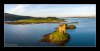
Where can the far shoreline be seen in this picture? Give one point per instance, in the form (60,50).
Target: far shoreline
(78,17)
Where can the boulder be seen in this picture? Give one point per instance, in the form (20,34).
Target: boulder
(70,27)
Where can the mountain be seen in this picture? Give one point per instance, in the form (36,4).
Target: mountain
(12,17)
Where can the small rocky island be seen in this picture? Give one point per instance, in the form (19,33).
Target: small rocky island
(59,36)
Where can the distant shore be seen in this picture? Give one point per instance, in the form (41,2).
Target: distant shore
(37,20)
(78,17)
(34,21)
(28,22)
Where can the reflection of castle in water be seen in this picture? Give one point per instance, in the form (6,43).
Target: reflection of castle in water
(58,37)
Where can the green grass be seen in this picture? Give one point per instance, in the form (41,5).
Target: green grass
(40,20)
(56,38)
(37,20)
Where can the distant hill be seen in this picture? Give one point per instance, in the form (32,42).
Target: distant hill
(81,17)
(12,17)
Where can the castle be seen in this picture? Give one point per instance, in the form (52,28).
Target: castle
(61,28)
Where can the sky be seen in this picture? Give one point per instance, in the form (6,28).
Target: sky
(44,10)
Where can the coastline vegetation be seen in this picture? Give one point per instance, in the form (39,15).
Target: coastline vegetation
(37,20)
(56,38)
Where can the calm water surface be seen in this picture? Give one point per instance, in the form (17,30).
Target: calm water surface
(31,34)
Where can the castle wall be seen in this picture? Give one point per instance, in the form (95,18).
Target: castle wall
(62,29)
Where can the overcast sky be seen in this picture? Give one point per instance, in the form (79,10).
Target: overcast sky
(44,10)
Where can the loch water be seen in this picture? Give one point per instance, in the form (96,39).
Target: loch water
(31,34)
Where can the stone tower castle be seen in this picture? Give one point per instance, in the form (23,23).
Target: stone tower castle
(62,28)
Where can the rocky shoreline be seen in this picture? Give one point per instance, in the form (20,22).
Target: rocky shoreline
(58,38)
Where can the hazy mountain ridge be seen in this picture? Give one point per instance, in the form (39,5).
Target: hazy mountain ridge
(13,17)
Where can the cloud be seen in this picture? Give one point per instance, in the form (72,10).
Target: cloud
(40,6)
(66,11)
(19,9)
(48,10)
(22,9)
